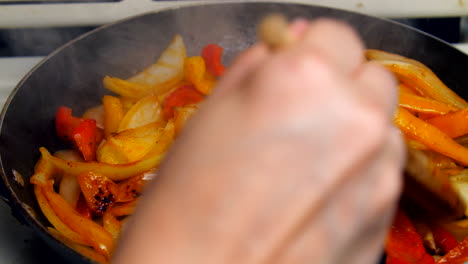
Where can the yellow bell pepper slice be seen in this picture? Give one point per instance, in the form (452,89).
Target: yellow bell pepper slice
(91,232)
(113,114)
(195,72)
(115,172)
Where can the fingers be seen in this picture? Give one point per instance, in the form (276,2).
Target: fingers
(246,63)
(298,27)
(336,42)
(377,87)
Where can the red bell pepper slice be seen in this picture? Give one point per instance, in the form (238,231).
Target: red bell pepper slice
(427,259)
(82,207)
(184,95)
(404,243)
(457,255)
(212,54)
(443,239)
(393,260)
(65,123)
(84,136)
(82,132)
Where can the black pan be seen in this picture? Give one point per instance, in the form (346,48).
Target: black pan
(72,76)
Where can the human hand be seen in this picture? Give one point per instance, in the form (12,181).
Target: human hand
(293,159)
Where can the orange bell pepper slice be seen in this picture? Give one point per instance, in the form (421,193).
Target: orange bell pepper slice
(49,213)
(112,225)
(91,232)
(113,114)
(100,192)
(424,105)
(130,188)
(454,124)
(430,136)
(124,208)
(457,255)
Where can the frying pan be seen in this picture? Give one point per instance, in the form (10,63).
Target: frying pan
(72,75)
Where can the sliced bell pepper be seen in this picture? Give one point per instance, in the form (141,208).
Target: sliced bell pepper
(130,188)
(65,123)
(427,259)
(212,55)
(49,213)
(454,124)
(91,232)
(113,114)
(82,132)
(403,241)
(457,255)
(100,192)
(430,136)
(84,136)
(43,171)
(82,208)
(196,73)
(184,95)
(393,260)
(124,209)
(116,172)
(112,225)
(444,240)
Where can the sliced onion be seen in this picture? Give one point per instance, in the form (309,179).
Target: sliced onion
(69,188)
(96,113)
